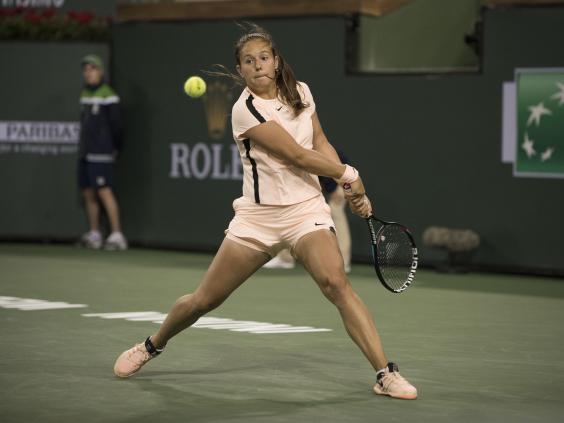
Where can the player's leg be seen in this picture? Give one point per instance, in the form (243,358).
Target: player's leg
(319,252)
(232,265)
(320,255)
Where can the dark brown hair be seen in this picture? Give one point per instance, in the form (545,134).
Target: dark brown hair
(285,79)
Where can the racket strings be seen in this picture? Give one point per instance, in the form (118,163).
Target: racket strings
(395,255)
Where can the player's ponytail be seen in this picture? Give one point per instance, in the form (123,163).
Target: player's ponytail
(287,85)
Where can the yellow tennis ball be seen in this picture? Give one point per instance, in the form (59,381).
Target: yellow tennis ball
(195,86)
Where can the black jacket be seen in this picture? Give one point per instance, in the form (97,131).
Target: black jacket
(100,124)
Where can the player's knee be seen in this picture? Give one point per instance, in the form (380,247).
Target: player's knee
(205,303)
(335,287)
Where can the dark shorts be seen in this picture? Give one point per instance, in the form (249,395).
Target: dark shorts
(94,175)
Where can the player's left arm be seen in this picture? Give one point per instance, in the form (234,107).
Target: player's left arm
(320,142)
(360,204)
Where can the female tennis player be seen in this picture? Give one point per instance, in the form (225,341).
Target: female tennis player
(283,149)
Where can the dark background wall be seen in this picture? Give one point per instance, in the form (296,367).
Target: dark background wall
(428,147)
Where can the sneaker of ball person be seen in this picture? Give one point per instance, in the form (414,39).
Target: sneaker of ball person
(279,263)
(91,239)
(115,242)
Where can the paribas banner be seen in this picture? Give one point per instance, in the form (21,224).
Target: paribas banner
(39,138)
(533,123)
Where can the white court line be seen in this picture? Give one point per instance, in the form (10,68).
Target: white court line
(217,323)
(27,304)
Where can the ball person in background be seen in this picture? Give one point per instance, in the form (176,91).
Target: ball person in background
(337,201)
(100,141)
(283,149)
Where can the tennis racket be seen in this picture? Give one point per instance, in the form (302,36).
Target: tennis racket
(394,253)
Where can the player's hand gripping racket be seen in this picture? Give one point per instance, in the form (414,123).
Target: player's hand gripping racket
(393,248)
(394,253)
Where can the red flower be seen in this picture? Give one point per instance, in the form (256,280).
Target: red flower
(32,17)
(48,13)
(11,11)
(82,17)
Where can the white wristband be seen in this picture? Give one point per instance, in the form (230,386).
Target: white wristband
(349,176)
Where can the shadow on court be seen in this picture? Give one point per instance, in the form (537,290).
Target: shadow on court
(190,405)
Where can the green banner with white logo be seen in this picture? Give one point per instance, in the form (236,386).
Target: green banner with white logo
(540,123)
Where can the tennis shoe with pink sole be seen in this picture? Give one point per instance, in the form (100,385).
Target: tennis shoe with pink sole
(391,383)
(131,361)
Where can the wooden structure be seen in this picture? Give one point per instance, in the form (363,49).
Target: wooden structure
(523,2)
(230,9)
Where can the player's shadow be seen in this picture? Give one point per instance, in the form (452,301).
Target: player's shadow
(189,401)
(152,374)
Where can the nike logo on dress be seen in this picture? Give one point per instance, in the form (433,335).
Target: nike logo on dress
(319,224)
(280,108)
